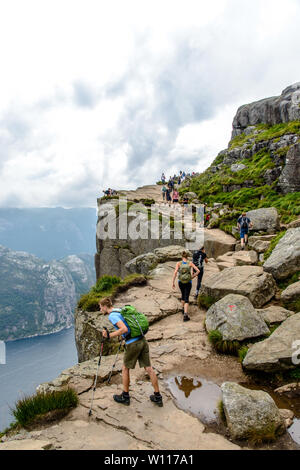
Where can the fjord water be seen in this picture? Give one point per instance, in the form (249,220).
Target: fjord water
(31,361)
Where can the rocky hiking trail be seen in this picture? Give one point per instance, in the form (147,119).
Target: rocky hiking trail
(176,348)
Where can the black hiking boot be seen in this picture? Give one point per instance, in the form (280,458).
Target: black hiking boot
(186,318)
(157,399)
(121,399)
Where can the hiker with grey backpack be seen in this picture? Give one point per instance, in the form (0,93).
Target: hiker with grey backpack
(132,326)
(183,269)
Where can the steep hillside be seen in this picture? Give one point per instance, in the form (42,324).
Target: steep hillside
(37,297)
(261,166)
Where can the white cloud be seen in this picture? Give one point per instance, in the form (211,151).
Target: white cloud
(96,94)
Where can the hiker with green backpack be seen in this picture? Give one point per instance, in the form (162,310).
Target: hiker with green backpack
(183,268)
(132,326)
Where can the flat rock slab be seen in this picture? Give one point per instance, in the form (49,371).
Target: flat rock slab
(274,314)
(250,281)
(277,352)
(236,318)
(26,444)
(239,258)
(285,258)
(250,413)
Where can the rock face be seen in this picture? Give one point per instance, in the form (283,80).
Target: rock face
(235,317)
(265,219)
(285,258)
(170,253)
(250,413)
(283,108)
(291,296)
(274,314)
(38,297)
(250,281)
(289,180)
(278,352)
(126,240)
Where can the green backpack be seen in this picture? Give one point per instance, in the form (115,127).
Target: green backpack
(184,273)
(137,322)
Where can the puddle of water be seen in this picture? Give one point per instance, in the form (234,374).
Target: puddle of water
(200,397)
(196,395)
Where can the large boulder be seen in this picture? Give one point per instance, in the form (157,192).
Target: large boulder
(250,414)
(236,318)
(276,353)
(274,314)
(142,264)
(291,296)
(170,253)
(265,219)
(285,258)
(250,281)
(217,242)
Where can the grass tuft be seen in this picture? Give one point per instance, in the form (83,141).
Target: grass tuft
(44,407)
(108,286)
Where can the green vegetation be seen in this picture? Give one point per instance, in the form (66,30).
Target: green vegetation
(108,286)
(223,346)
(295,374)
(220,407)
(10,429)
(242,352)
(44,407)
(273,243)
(205,301)
(266,132)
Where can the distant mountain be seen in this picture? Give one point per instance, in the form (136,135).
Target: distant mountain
(49,233)
(38,297)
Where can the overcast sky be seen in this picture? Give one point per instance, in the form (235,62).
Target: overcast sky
(98,94)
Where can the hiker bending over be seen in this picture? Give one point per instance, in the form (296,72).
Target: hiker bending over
(136,349)
(183,268)
(199,257)
(244,223)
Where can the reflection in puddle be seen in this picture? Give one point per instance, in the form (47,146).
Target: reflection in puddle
(187,385)
(200,397)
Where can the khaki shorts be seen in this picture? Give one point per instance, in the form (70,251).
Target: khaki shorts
(139,350)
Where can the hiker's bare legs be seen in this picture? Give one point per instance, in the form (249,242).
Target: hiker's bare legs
(126,379)
(153,378)
(186,307)
(242,242)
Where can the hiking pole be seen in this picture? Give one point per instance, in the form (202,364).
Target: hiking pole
(96,376)
(114,363)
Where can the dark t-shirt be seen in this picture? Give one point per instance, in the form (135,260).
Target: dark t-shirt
(241,220)
(198,258)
